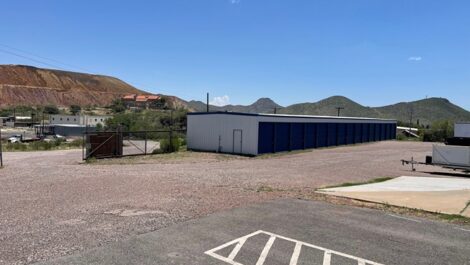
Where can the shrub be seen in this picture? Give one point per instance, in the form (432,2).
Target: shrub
(167,147)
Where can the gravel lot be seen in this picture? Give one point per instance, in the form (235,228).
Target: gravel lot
(51,204)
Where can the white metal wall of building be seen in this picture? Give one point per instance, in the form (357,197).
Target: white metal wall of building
(229,132)
(462,130)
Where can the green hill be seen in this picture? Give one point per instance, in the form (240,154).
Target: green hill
(327,107)
(426,110)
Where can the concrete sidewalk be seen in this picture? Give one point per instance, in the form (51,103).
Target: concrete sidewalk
(443,195)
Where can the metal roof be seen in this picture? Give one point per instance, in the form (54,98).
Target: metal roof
(286,115)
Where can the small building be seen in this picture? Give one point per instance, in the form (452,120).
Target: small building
(254,134)
(67,130)
(142,101)
(85,120)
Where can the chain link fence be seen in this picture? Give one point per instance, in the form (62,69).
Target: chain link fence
(131,143)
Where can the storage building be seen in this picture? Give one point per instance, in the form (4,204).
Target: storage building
(254,134)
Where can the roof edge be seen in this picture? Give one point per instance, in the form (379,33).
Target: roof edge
(287,116)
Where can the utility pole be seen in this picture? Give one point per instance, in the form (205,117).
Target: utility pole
(339,110)
(411,117)
(207,102)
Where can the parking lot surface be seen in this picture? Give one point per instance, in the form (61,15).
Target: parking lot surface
(291,232)
(54,205)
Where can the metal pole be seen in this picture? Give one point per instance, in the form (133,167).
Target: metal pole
(339,110)
(1,148)
(145,142)
(207,102)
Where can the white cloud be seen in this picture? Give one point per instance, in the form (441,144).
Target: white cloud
(234,2)
(415,58)
(220,101)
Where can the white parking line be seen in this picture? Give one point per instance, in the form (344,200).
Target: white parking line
(265,252)
(294,256)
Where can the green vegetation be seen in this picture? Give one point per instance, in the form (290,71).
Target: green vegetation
(117,106)
(349,184)
(439,131)
(424,112)
(148,120)
(57,144)
(75,109)
(169,147)
(51,109)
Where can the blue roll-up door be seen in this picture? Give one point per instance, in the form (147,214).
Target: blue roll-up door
(281,137)
(388,136)
(297,136)
(310,135)
(332,134)
(372,132)
(322,135)
(342,134)
(357,133)
(350,130)
(365,133)
(265,138)
(383,132)
(378,127)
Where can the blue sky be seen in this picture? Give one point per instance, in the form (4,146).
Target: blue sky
(375,52)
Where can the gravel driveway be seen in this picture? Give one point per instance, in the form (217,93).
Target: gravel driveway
(51,204)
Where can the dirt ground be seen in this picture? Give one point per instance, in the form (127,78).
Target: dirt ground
(53,204)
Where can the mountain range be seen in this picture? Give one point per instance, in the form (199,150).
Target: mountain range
(425,110)
(27,85)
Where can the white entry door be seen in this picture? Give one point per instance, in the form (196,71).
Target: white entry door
(237,141)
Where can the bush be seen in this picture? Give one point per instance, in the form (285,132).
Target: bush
(167,147)
(439,131)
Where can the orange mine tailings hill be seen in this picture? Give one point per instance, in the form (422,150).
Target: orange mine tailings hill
(27,85)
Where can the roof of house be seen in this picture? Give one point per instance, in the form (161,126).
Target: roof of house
(129,97)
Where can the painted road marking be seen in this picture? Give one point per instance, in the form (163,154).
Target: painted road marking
(299,245)
(404,218)
(463,229)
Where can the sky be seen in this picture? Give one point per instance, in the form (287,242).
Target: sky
(375,52)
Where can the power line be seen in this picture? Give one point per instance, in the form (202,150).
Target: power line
(31,59)
(45,58)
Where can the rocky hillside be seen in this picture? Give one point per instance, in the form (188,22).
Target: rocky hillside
(27,85)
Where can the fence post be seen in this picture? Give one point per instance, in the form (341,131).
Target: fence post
(171,140)
(145,142)
(1,147)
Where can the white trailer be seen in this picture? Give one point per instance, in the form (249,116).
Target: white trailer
(447,156)
(462,130)
(451,155)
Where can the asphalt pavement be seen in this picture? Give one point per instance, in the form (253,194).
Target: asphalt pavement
(291,231)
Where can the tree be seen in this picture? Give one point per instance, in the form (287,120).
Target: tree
(51,109)
(75,109)
(439,131)
(117,106)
